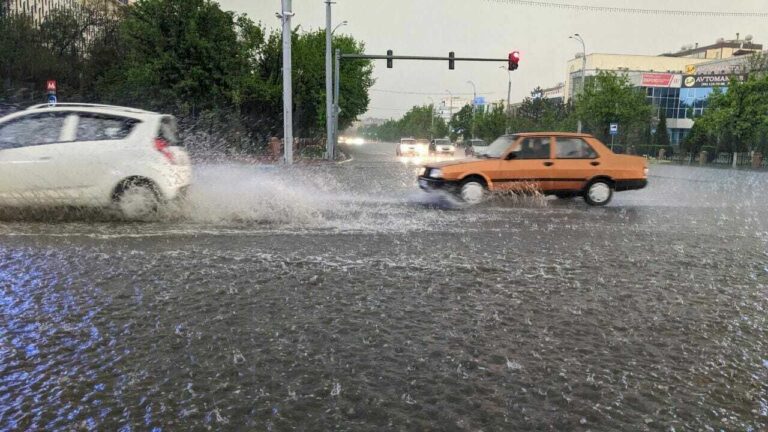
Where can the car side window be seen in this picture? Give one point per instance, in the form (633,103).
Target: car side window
(574,148)
(32,130)
(97,127)
(534,148)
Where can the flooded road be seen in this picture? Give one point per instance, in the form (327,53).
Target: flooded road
(342,298)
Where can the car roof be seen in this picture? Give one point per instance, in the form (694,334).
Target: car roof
(555,134)
(93,108)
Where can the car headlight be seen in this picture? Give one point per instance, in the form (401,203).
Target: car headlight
(436,173)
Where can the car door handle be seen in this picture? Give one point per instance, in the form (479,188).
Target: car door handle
(548,163)
(595,163)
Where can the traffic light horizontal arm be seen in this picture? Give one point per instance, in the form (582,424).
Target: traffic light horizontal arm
(402,57)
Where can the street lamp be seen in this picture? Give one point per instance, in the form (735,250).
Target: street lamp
(577,37)
(343,23)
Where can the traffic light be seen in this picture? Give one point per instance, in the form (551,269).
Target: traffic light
(451,61)
(514,60)
(389,59)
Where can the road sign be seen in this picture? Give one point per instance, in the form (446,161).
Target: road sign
(614,128)
(52,100)
(51,86)
(479,101)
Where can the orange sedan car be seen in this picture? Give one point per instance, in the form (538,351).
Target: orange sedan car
(553,163)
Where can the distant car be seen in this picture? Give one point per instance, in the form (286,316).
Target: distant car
(412,147)
(476,146)
(442,146)
(88,155)
(560,164)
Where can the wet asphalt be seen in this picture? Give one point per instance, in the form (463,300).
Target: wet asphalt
(340,297)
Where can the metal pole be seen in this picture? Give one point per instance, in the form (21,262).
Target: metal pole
(328,82)
(432,119)
(583,69)
(336,110)
(509,92)
(474,107)
(287,84)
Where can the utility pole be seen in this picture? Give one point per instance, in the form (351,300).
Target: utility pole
(286,15)
(474,107)
(336,109)
(328,82)
(578,38)
(432,118)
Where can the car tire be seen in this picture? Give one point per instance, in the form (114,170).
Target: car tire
(137,199)
(472,191)
(598,192)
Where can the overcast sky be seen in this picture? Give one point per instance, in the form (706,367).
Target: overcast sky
(483,28)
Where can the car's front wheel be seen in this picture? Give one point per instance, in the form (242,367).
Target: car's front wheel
(598,193)
(472,191)
(137,199)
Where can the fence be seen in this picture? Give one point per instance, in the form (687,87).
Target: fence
(751,160)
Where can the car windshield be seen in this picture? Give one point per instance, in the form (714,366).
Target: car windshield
(443,142)
(500,146)
(407,141)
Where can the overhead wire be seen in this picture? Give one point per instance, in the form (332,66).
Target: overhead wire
(635,11)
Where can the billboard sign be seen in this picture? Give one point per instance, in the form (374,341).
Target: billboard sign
(661,80)
(717,80)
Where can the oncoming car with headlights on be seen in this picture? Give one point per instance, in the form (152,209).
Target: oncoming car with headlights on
(442,146)
(560,164)
(412,147)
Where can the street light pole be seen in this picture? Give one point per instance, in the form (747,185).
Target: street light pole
(432,118)
(509,87)
(578,37)
(474,107)
(328,82)
(285,15)
(336,79)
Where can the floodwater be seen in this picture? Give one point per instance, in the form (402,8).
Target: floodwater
(342,298)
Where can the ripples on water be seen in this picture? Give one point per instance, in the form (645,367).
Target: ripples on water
(318,305)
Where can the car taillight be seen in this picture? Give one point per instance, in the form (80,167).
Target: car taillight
(162,145)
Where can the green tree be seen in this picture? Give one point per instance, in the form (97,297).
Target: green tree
(612,98)
(461,123)
(662,133)
(491,123)
(737,120)
(309,79)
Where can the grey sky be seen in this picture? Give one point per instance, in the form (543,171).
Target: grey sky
(481,28)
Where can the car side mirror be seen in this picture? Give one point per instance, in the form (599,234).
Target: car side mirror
(511,155)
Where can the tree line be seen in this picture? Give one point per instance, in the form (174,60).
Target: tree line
(220,72)
(735,120)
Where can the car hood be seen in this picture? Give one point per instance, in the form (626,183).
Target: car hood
(454,162)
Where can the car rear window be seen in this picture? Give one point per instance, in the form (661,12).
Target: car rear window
(407,141)
(574,148)
(98,127)
(169,131)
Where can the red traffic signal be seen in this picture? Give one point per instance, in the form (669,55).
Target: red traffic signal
(514,60)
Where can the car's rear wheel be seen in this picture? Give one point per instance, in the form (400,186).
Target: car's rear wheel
(472,191)
(598,192)
(137,199)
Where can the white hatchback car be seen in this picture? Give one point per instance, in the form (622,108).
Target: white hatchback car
(88,155)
